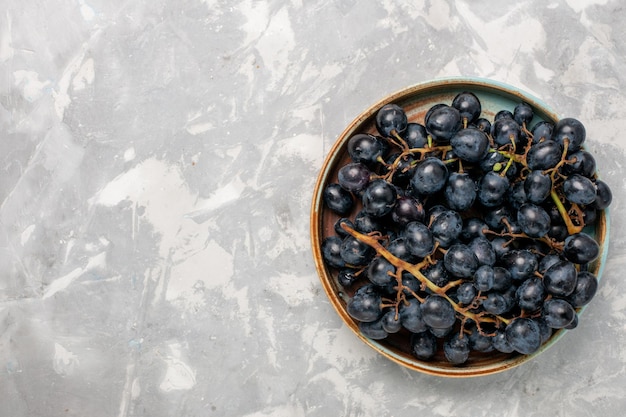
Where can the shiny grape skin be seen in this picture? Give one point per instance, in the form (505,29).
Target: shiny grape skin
(347,276)
(391,118)
(560,278)
(468,105)
(419,239)
(542,130)
(531,294)
(354,177)
(544,155)
(581,248)
(379,270)
(483,124)
(379,198)
(331,252)
(456,348)
(579,190)
(408,209)
(580,162)
(492,188)
(465,293)
(355,253)
(520,263)
(481,246)
(437,312)
(338,199)
(586,288)
(442,123)
(604,195)
(460,191)
(503,114)
(460,261)
(500,342)
(415,135)
(411,316)
(484,278)
(423,345)
(365,304)
(557,313)
(430,176)
(537,186)
(373,330)
(524,335)
(470,144)
(523,113)
(447,227)
(506,131)
(533,220)
(366,148)
(391,322)
(572,130)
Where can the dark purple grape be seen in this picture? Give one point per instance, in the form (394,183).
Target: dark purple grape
(533,220)
(579,190)
(470,144)
(373,330)
(558,232)
(604,195)
(437,274)
(380,270)
(379,198)
(557,313)
(456,348)
(460,261)
(480,342)
(338,199)
(365,304)
(339,230)
(411,285)
(331,252)
(481,246)
(423,345)
(465,293)
(547,261)
(523,113)
(473,227)
(460,191)
(391,118)
(498,217)
(442,123)
(560,278)
(521,263)
(524,335)
(447,227)
(500,342)
(530,294)
(437,312)
(355,253)
(400,249)
(492,189)
(411,316)
(506,131)
(419,239)
(503,114)
(497,303)
(367,149)
(354,177)
(483,124)
(517,196)
(544,155)
(468,106)
(415,135)
(484,278)
(537,186)
(408,209)
(347,276)
(586,288)
(542,130)
(580,162)
(570,130)
(430,176)
(581,248)
(391,322)
(366,223)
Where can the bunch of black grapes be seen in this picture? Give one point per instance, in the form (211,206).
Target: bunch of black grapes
(465,234)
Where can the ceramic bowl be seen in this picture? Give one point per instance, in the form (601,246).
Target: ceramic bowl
(416,100)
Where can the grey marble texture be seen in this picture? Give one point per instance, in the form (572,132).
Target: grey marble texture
(156,171)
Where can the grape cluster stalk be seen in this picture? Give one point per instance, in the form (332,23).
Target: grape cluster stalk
(464,234)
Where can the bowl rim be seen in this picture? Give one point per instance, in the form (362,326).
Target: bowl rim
(331,159)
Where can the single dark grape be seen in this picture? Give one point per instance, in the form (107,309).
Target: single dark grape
(537,186)
(468,106)
(465,293)
(483,124)
(354,176)
(400,249)
(480,342)
(503,114)
(470,144)
(419,239)
(580,162)
(430,176)
(498,218)
(366,223)
(481,246)
(492,189)
(524,335)
(501,246)
(347,276)
(367,149)
(415,135)
(456,348)
(339,230)
(586,288)
(331,252)
(473,227)
(380,270)
(501,279)
(530,294)
(484,278)
(521,263)
(355,253)
(411,316)
(373,330)
(560,278)
(533,220)
(547,261)
(604,195)
(506,131)
(497,303)
(442,123)
(557,313)
(581,248)
(569,130)
(542,130)
(423,345)
(437,312)
(544,155)
(523,113)
(408,209)
(500,342)
(338,199)
(391,118)
(437,274)
(379,198)
(460,261)
(579,190)
(447,227)
(460,191)
(391,322)
(365,304)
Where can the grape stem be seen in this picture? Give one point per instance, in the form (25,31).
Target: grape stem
(415,270)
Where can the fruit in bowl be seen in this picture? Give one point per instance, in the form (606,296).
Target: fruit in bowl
(459,226)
